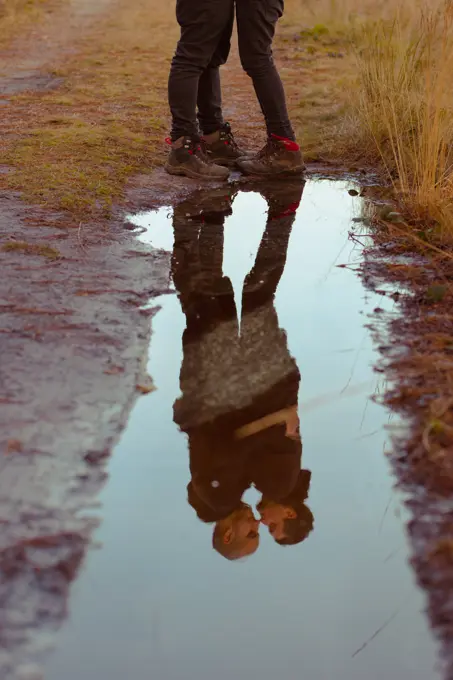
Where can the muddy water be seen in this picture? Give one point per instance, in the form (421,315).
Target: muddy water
(263,370)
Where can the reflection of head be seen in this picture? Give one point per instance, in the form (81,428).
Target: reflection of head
(289,521)
(237,535)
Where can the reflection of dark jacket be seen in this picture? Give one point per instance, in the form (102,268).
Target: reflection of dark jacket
(231,377)
(223,467)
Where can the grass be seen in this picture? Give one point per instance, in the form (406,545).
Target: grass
(317,67)
(76,147)
(31,249)
(388,102)
(83,141)
(367,84)
(17,16)
(405,109)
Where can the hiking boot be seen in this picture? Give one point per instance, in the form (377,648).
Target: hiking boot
(279,157)
(222,149)
(188,158)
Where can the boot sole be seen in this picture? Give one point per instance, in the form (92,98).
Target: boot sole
(229,162)
(185,172)
(225,163)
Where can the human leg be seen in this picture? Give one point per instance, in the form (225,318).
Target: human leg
(256,21)
(221,146)
(209,100)
(203,24)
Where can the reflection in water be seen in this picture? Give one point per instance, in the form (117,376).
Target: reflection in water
(239,382)
(156,600)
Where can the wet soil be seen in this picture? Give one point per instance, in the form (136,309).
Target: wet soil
(419,365)
(74,340)
(263,368)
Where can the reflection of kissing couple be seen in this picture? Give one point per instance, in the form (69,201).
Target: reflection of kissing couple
(239,383)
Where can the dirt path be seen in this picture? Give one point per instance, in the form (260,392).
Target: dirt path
(74,341)
(26,63)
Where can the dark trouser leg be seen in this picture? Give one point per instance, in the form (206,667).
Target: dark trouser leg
(209,100)
(256,21)
(203,23)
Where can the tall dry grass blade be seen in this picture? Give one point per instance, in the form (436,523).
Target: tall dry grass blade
(405,104)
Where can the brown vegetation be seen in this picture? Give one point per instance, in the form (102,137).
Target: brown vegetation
(17,16)
(367,82)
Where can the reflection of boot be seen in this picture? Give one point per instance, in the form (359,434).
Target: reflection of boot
(201,204)
(198,249)
(283,199)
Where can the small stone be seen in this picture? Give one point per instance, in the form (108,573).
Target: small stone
(114,370)
(384,212)
(93,457)
(145,386)
(436,293)
(13,446)
(394,217)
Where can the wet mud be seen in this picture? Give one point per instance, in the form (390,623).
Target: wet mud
(73,338)
(250,523)
(418,363)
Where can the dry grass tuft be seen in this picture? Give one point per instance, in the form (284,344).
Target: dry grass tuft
(404,106)
(387,101)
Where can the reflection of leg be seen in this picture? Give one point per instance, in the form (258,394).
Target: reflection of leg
(190,218)
(185,257)
(206,296)
(217,301)
(262,281)
(209,90)
(211,250)
(271,370)
(207,301)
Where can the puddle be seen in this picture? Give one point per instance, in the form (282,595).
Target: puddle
(333,597)
(28,81)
